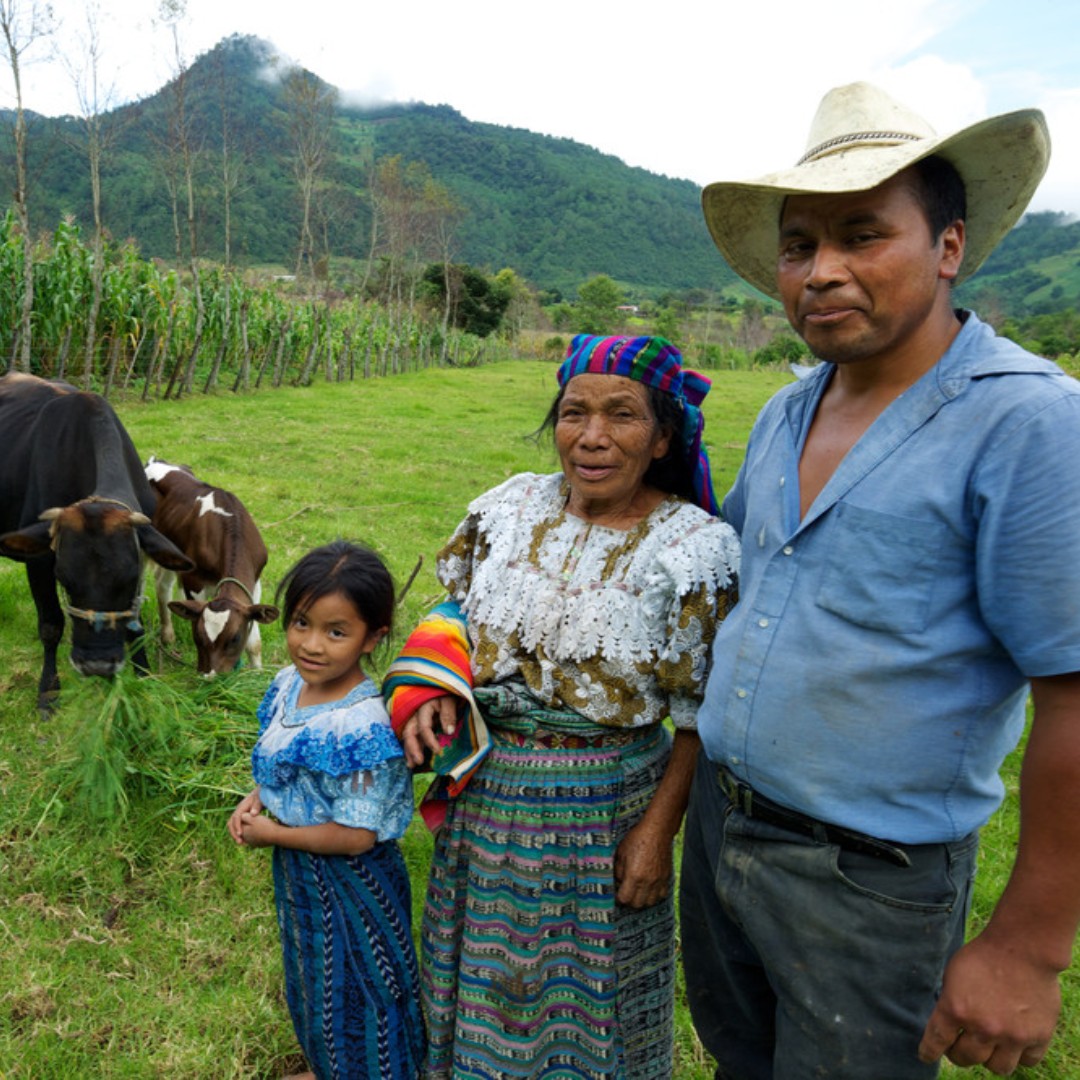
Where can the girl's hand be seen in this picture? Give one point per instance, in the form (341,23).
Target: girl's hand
(257,829)
(419,737)
(249,804)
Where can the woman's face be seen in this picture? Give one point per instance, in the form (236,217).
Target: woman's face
(607,436)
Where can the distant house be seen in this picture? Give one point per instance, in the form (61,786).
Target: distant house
(628,309)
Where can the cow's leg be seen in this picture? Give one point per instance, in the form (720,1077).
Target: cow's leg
(253,648)
(164,581)
(39,573)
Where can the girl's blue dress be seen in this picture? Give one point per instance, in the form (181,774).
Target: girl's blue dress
(350,967)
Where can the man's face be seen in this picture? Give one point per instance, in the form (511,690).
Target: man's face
(859,274)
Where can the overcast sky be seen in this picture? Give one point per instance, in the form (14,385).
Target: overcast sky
(694,90)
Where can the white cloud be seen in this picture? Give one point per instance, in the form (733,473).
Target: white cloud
(702,92)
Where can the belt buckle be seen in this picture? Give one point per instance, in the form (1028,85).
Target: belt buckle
(740,795)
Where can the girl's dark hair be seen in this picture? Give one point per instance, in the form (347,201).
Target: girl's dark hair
(671,473)
(342,567)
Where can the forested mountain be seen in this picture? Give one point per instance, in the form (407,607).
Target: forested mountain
(1034,271)
(554,210)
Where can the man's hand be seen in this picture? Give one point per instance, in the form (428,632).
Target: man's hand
(998,1008)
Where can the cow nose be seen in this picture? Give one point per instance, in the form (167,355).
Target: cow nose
(104,666)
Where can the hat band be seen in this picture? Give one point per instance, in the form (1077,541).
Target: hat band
(843,141)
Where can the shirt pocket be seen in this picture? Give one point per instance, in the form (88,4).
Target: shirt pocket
(880,568)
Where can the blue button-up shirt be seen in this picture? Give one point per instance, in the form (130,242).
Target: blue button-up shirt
(874,672)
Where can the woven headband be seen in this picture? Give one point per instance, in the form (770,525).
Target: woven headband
(655,362)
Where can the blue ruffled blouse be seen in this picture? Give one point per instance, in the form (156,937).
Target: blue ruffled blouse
(336,762)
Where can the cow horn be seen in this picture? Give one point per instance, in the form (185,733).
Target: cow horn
(51,515)
(139,519)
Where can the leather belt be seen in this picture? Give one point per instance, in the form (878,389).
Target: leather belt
(757,807)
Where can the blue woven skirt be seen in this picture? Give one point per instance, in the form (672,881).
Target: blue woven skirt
(351,977)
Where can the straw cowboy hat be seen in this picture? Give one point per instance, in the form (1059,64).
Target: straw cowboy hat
(860,137)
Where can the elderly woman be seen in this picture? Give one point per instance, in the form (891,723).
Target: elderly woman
(591,597)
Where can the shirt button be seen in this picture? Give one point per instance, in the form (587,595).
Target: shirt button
(783,481)
(734,759)
(763,623)
(789,550)
(740,693)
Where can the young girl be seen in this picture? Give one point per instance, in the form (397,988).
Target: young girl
(337,794)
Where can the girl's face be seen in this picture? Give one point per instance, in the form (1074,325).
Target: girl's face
(326,640)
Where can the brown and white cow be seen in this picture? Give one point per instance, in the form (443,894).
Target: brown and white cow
(75,507)
(222,593)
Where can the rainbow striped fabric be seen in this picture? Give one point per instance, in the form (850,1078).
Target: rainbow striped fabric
(435,661)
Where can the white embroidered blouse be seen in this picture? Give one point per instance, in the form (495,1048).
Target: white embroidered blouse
(616,625)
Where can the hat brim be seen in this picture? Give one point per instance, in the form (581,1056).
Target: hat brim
(1001,161)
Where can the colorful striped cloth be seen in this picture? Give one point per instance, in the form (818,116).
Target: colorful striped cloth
(435,661)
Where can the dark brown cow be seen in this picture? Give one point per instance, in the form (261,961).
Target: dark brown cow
(215,531)
(75,507)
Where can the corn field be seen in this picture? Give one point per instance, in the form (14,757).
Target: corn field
(148,337)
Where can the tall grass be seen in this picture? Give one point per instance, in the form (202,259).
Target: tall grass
(135,939)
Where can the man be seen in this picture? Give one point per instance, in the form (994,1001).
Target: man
(909,515)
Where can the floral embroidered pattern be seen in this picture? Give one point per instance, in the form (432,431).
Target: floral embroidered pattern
(613,624)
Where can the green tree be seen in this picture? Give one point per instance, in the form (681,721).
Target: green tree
(783,349)
(667,324)
(598,301)
(475,303)
(520,305)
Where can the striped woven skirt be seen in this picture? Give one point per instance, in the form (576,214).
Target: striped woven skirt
(530,968)
(351,976)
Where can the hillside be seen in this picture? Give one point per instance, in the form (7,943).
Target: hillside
(1034,271)
(554,210)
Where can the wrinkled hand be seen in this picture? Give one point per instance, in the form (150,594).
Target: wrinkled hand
(997,1008)
(249,804)
(419,737)
(643,867)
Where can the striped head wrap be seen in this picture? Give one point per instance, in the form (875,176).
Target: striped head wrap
(655,362)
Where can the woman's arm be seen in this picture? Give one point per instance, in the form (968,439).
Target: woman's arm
(643,861)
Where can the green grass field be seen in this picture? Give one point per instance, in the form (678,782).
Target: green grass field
(135,939)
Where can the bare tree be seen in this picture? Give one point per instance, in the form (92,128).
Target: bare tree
(231,178)
(22,24)
(444,212)
(311,104)
(99,129)
(183,154)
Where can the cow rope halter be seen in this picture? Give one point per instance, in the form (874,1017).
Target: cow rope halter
(98,620)
(233,581)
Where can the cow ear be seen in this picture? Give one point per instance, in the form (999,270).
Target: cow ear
(187,609)
(162,550)
(27,543)
(263,613)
